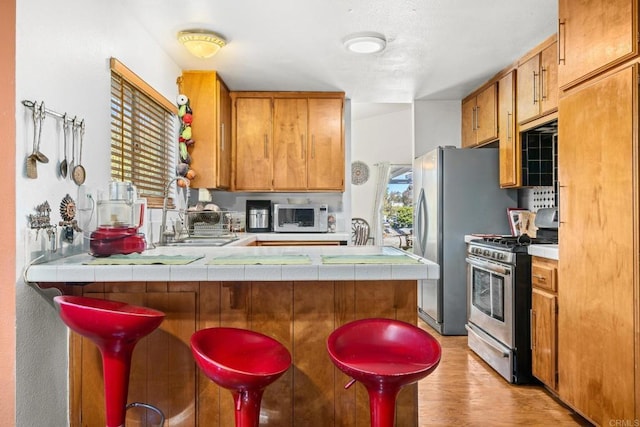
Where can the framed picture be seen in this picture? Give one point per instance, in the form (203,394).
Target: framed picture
(514,220)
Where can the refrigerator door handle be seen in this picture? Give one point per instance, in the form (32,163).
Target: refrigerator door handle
(422,226)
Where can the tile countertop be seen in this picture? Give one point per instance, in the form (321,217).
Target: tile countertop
(544,251)
(72,269)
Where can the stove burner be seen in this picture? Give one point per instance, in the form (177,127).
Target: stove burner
(509,242)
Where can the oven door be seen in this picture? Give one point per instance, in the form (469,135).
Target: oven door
(490,287)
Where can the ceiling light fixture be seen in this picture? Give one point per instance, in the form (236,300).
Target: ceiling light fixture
(201,43)
(365,43)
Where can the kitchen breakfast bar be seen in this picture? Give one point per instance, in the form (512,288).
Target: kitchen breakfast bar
(297,295)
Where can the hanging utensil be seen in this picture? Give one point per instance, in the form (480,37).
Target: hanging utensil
(39,155)
(32,162)
(72,164)
(62,168)
(78,172)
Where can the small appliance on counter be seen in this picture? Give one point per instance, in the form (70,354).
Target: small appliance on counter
(258,216)
(304,218)
(120,216)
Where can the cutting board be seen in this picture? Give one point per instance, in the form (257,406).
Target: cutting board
(138,259)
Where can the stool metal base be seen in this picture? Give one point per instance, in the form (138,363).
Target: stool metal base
(149,407)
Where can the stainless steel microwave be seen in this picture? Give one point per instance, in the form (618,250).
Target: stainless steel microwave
(308,218)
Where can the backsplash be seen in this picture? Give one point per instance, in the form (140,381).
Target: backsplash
(540,168)
(539,157)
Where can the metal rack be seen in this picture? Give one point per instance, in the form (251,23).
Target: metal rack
(212,223)
(67,119)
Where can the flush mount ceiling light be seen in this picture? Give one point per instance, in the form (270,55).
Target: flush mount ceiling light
(365,43)
(201,43)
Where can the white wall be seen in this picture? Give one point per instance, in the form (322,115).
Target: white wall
(379,138)
(436,123)
(63,50)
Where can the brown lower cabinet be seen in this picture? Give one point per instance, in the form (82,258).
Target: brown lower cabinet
(544,323)
(301,315)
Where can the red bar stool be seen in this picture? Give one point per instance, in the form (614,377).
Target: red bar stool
(242,361)
(384,355)
(115,327)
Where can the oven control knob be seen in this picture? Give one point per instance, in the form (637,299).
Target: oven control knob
(495,255)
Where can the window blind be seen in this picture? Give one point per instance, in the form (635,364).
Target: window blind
(142,138)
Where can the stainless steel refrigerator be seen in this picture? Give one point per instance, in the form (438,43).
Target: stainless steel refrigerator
(456,192)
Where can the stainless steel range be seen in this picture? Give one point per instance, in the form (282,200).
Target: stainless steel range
(499,295)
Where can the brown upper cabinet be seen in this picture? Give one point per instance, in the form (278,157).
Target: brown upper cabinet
(253,142)
(288,141)
(211,128)
(537,88)
(509,145)
(594,35)
(480,116)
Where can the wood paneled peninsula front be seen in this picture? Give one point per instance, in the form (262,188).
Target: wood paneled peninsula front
(297,304)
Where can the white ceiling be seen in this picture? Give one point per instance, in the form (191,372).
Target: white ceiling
(436,49)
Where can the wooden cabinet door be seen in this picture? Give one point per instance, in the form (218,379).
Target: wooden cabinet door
(254,144)
(290,144)
(224,164)
(325,154)
(487,115)
(211,105)
(594,35)
(598,167)
(510,157)
(528,89)
(543,337)
(549,79)
(469,122)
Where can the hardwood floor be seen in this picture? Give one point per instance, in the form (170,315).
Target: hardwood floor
(464,391)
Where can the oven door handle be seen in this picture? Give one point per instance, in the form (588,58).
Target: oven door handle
(489,266)
(487,341)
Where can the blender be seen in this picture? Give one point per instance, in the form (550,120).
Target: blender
(120,215)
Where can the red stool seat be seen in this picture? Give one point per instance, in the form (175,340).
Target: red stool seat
(384,355)
(242,361)
(115,328)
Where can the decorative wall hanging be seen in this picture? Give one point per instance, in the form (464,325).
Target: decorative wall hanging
(68,214)
(185,140)
(359,173)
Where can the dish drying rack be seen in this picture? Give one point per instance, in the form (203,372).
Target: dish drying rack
(212,223)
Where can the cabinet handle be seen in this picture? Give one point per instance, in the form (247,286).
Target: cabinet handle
(266,146)
(535,94)
(562,52)
(560,187)
(509,115)
(532,318)
(477,114)
(473,119)
(302,147)
(313,146)
(222,136)
(540,277)
(543,91)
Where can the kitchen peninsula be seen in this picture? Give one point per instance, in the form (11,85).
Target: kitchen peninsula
(296,294)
